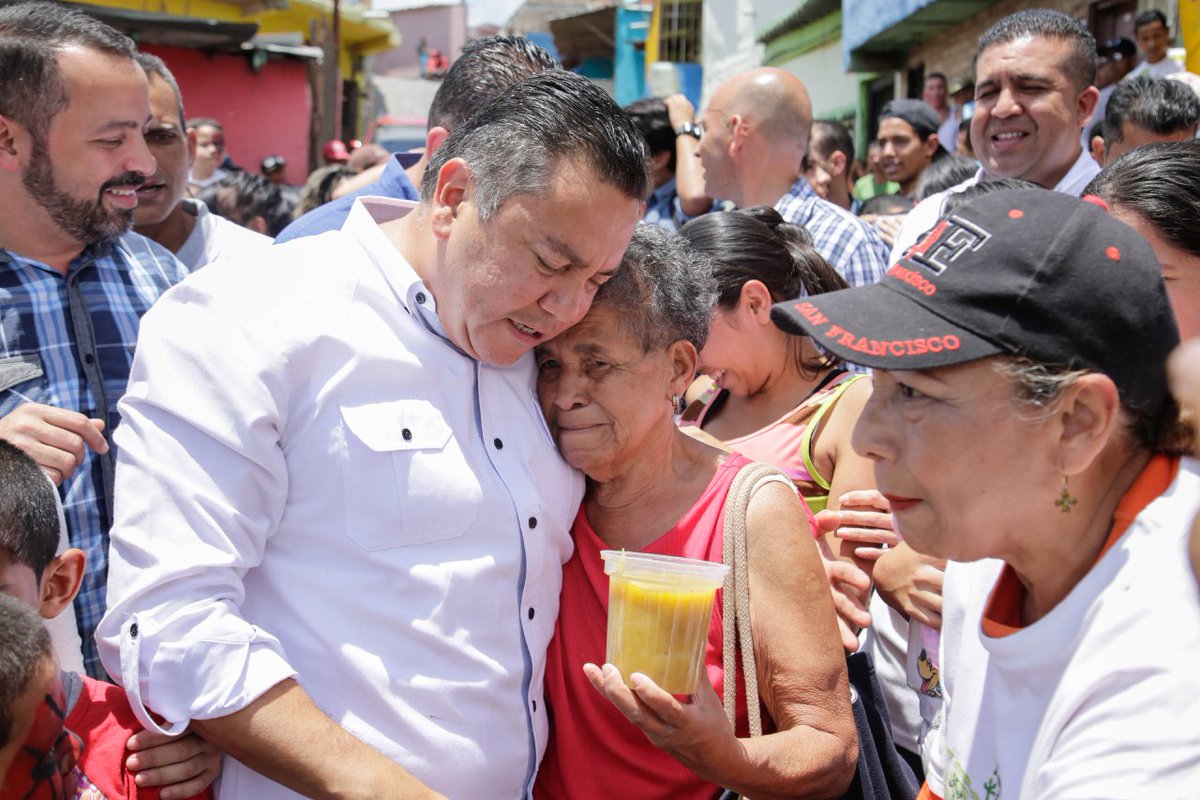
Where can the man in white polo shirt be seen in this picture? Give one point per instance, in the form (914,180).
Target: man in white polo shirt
(1033,95)
(341,518)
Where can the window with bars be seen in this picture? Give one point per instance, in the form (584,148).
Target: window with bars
(679,31)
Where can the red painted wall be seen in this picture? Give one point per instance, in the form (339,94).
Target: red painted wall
(263,114)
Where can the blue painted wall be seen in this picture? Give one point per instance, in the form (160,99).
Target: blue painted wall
(629,69)
(862,20)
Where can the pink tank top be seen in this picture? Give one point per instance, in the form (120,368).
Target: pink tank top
(594,752)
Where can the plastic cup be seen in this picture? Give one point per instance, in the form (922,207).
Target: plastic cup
(659,613)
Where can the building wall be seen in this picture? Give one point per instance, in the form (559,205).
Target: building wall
(834,92)
(953,52)
(264,113)
(443,28)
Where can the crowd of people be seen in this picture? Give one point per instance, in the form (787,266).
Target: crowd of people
(312,502)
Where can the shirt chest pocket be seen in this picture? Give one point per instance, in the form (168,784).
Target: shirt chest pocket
(405,478)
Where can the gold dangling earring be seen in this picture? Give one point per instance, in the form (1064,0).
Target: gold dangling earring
(1065,501)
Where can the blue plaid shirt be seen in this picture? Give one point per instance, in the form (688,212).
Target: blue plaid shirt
(67,341)
(850,245)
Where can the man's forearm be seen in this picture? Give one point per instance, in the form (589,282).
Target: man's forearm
(284,736)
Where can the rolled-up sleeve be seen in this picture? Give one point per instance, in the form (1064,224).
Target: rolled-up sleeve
(201,485)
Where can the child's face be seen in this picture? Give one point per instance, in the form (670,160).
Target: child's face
(19,581)
(40,765)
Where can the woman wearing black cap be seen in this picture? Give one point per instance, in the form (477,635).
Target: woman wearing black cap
(1021,420)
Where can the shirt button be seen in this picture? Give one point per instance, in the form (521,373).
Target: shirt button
(535,705)
(532,522)
(499,444)
(531,613)
(133,631)
(421,298)
(88,358)
(407,434)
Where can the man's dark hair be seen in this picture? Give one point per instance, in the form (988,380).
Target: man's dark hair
(515,143)
(24,647)
(1042,22)
(829,137)
(650,117)
(885,204)
(483,71)
(1159,183)
(32,90)
(28,511)
(153,65)
(1156,105)
(939,76)
(1149,18)
(242,196)
(944,173)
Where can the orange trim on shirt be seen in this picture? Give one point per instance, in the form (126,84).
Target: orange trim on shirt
(926,793)
(1002,614)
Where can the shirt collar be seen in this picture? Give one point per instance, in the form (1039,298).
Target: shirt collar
(90,253)
(800,190)
(363,223)
(664,193)
(1073,183)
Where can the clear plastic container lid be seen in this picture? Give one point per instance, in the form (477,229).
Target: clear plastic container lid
(663,569)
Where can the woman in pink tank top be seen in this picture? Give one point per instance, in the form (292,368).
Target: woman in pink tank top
(608,388)
(772,394)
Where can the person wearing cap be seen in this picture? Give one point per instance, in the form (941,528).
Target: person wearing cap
(1033,97)
(274,169)
(1115,59)
(1022,427)
(335,152)
(184,225)
(908,133)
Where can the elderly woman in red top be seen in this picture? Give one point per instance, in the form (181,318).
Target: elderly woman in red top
(609,388)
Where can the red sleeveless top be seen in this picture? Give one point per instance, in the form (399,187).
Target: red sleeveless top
(594,752)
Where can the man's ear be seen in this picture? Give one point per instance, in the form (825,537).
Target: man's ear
(739,131)
(1086,104)
(453,180)
(931,145)
(434,138)
(1089,410)
(1098,149)
(14,142)
(60,582)
(659,160)
(838,162)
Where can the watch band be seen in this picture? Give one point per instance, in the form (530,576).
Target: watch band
(689,129)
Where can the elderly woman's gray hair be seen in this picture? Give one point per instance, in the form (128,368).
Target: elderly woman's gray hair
(664,290)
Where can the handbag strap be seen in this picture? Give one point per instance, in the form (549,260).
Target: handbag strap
(735,598)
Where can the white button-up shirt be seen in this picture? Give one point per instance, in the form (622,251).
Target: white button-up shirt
(315,482)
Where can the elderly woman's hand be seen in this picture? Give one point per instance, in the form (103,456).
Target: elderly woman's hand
(695,733)
(911,583)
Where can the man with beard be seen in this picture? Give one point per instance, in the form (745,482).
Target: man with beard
(73,283)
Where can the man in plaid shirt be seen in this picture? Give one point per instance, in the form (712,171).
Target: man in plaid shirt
(754,146)
(73,282)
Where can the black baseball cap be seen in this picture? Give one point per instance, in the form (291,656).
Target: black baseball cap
(917,113)
(1119,46)
(1025,272)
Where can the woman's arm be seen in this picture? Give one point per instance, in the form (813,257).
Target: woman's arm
(801,675)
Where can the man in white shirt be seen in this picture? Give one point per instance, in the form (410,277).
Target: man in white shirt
(183,226)
(1033,95)
(1153,38)
(342,521)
